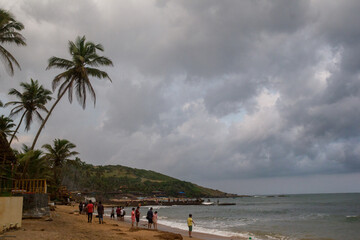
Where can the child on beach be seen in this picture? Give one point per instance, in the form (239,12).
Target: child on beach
(132,217)
(155,218)
(190,223)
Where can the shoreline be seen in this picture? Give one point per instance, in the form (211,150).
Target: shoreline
(164,228)
(66,223)
(184,233)
(196,235)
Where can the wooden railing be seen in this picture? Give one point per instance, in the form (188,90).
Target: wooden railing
(30,186)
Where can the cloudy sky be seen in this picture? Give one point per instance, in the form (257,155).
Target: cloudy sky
(249,97)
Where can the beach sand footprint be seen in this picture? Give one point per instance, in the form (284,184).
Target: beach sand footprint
(116,229)
(169,236)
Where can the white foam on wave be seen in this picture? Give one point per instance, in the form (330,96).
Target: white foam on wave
(158,207)
(199,229)
(278,237)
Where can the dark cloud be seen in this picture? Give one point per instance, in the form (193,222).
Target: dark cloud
(257,93)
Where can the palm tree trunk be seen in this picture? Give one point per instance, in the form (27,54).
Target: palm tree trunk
(27,159)
(17,128)
(48,115)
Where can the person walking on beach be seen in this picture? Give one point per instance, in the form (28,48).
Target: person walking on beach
(122,213)
(80,207)
(100,210)
(90,210)
(149,217)
(190,223)
(137,216)
(85,208)
(112,213)
(132,217)
(155,218)
(118,213)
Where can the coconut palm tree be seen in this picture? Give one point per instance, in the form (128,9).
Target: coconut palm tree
(77,72)
(32,164)
(6,124)
(57,155)
(31,101)
(9,33)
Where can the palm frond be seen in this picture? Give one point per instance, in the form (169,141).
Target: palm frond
(15,92)
(8,59)
(28,120)
(97,73)
(100,61)
(55,62)
(9,33)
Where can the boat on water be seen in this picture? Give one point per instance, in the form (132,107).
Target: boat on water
(208,203)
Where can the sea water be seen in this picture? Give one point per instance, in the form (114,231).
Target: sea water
(308,216)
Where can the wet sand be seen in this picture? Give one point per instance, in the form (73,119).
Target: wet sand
(66,223)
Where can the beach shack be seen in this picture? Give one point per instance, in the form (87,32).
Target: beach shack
(10,206)
(19,198)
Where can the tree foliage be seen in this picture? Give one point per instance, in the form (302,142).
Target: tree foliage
(126,180)
(57,155)
(6,125)
(9,33)
(32,164)
(30,102)
(77,73)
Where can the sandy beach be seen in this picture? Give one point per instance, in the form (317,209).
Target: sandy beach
(66,223)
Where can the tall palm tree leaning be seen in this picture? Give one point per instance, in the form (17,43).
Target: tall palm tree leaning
(76,74)
(31,100)
(9,33)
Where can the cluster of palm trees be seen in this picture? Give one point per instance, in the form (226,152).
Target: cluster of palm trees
(31,101)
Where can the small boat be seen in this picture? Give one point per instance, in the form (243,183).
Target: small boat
(208,203)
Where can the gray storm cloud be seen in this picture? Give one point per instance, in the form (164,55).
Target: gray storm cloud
(208,90)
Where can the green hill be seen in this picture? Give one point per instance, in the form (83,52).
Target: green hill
(121,180)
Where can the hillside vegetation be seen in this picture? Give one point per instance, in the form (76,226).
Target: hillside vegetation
(110,180)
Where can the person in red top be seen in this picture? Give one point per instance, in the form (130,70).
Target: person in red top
(118,213)
(90,210)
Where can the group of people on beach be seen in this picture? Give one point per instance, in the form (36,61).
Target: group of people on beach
(120,213)
(152,217)
(88,208)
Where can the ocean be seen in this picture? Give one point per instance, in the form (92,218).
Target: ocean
(289,217)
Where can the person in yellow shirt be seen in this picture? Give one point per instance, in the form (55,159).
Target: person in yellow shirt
(190,223)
